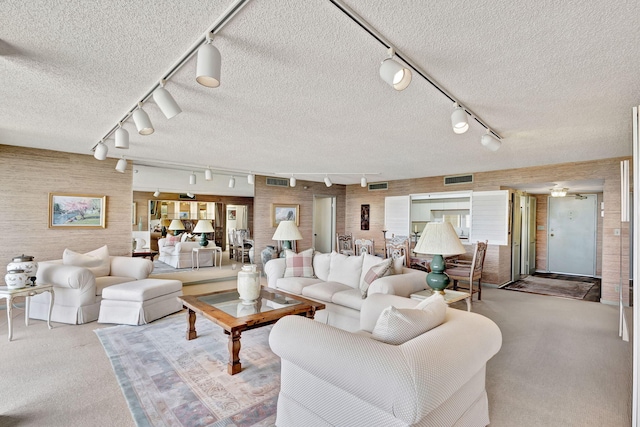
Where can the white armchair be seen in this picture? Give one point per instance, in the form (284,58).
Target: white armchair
(178,255)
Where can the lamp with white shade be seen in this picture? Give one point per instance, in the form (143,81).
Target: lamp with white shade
(286,233)
(439,239)
(176,226)
(203,226)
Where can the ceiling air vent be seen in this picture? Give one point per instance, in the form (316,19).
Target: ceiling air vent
(376,186)
(458,179)
(277,182)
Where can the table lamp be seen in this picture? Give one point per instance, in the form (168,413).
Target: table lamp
(203,226)
(176,226)
(286,232)
(439,239)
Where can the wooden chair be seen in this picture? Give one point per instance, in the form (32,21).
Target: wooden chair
(242,245)
(465,271)
(232,242)
(364,246)
(344,244)
(398,248)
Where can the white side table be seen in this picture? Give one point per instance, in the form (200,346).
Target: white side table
(450,296)
(195,252)
(27,292)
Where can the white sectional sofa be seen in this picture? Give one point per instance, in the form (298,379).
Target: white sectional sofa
(331,377)
(178,254)
(336,280)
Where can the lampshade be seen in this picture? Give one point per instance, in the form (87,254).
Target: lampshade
(459,119)
(208,65)
(100,152)
(232,182)
(559,192)
(121,166)
(176,225)
(395,74)
(122,138)
(208,175)
(327,181)
(192,178)
(490,142)
(439,238)
(203,226)
(165,101)
(292,181)
(287,230)
(142,121)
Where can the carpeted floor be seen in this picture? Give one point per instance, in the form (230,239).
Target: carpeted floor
(168,380)
(576,289)
(188,276)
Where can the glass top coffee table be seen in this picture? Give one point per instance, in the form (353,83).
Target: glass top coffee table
(234,316)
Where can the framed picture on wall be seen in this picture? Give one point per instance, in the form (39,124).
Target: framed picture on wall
(77,210)
(364,217)
(231,214)
(284,213)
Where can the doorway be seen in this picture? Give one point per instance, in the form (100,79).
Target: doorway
(571,239)
(324,223)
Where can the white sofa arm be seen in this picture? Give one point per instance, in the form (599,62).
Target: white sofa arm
(375,303)
(65,276)
(274,269)
(123,266)
(404,284)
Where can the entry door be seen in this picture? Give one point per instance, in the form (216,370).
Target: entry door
(324,220)
(572,235)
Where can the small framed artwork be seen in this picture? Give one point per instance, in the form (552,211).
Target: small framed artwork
(77,211)
(134,213)
(184,215)
(364,217)
(231,214)
(284,213)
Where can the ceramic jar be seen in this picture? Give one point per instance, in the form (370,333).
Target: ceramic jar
(16,279)
(248,284)
(27,265)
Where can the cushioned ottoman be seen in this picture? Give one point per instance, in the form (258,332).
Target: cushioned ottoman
(140,301)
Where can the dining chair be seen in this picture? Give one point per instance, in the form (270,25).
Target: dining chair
(365,246)
(344,244)
(398,248)
(243,245)
(469,271)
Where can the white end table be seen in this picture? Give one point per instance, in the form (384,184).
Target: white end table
(27,292)
(450,296)
(215,251)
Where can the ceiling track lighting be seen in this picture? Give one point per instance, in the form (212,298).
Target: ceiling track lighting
(157,193)
(190,194)
(393,73)
(459,119)
(192,178)
(100,151)
(121,166)
(251,178)
(363,181)
(292,181)
(142,121)
(327,181)
(122,138)
(208,175)
(490,142)
(165,101)
(232,182)
(208,64)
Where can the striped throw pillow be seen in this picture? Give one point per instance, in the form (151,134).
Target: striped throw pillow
(375,272)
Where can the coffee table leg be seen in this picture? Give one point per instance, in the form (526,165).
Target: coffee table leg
(311,313)
(191,325)
(234,365)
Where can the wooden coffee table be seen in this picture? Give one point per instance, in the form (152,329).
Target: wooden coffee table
(145,254)
(226,310)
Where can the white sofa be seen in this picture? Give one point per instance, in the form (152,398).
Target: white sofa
(78,291)
(336,284)
(178,255)
(331,377)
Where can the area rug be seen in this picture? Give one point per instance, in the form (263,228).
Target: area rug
(553,287)
(169,381)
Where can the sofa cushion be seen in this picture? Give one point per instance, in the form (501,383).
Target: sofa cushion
(294,285)
(97,261)
(142,290)
(398,325)
(345,269)
(375,272)
(106,281)
(172,240)
(350,298)
(321,265)
(323,291)
(299,265)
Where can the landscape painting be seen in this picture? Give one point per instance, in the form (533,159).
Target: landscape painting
(284,213)
(77,210)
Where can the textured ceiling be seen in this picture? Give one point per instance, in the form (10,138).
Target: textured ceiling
(300,91)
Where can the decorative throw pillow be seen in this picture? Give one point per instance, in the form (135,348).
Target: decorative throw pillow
(375,272)
(172,240)
(398,325)
(96,261)
(299,265)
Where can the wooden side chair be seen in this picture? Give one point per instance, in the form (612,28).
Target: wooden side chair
(398,249)
(465,271)
(364,246)
(344,244)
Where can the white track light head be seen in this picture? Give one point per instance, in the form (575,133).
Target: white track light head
(208,175)
(192,179)
(232,182)
(459,119)
(393,73)
(101,150)
(122,138)
(142,121)
(490,142)
(327,181)
(165,101)
(157,193)
(208,65)
(121,166)
(363,182)
(292,181)
(251,179)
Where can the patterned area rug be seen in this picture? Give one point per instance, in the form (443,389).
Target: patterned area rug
(554,287)
(169,381)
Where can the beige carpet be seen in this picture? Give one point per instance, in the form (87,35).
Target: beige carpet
(203,275)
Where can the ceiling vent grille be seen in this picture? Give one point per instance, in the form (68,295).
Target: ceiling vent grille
(277,182)
(377,186)
(458,179)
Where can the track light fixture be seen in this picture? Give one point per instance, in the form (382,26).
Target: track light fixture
(192,178)
(190,194)
(101,150)
(251,179)
(208,64)
(232,182)
(490,142)
(122,137)
(292,181)
(157,193)
(142,121)
(393,73)
(208,175)
(363,181)
(459,119)
(165,101)
(327,181)
(121,166)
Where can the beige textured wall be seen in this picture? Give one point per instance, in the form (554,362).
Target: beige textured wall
(28,176)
